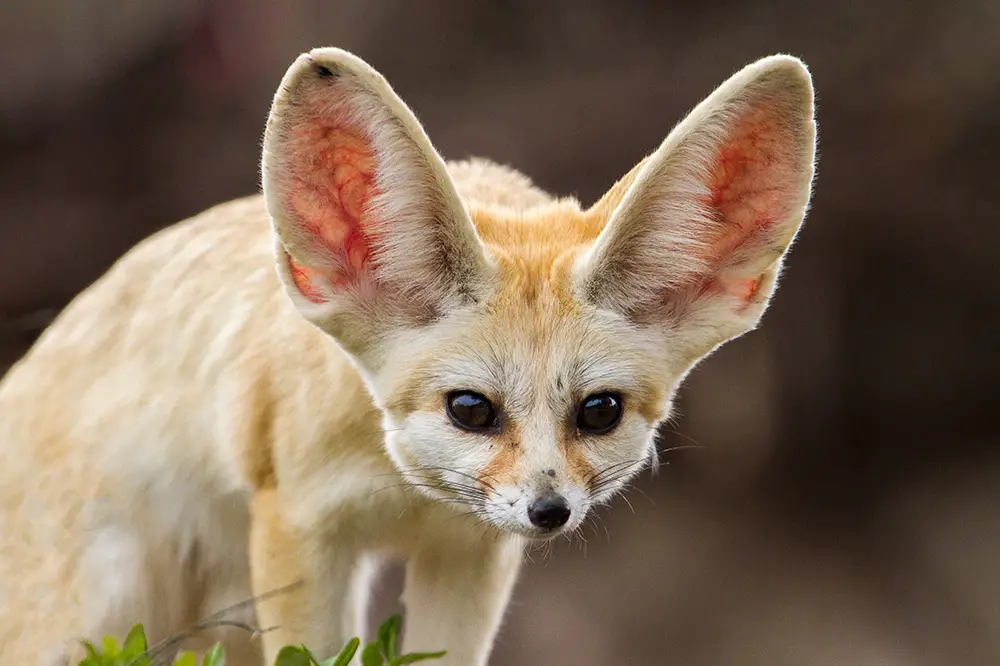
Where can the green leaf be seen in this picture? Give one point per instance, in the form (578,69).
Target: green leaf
(111,647)
(371,655)
(215,656)
(417,656)
(345,656)
(135,645)
(387,635)
(312,657)
(92,655)
(293,656)
(186,659)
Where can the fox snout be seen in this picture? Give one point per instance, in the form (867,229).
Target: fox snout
(538,504)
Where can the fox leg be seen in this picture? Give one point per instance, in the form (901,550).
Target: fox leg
(455,595)
(313,584)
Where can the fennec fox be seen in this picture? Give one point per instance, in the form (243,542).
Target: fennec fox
(446,364)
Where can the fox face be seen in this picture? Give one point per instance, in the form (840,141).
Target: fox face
(523,356)
(526,413)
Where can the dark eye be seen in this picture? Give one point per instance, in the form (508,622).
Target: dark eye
(471,411)
(599,413)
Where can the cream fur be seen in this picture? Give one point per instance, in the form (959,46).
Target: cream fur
(193,430)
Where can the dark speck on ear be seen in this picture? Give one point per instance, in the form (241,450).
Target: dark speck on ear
(324,71)
(551,472)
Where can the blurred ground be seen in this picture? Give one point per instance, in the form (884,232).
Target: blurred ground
(845,508)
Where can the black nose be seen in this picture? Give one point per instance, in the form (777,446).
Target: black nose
(549,512)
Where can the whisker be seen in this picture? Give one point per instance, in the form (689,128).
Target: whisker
(612,468)
(447,484)
(696,443)
(546,548)
(455,471)
(465,514)
(456,500)
(578,534)
(644,494)
(624,467)
(395,486)
(681,447)
(606,483)
(456,491)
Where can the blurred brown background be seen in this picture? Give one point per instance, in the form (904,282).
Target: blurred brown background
(845,508)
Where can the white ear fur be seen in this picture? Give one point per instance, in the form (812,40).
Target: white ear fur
(697,239)
(370,230)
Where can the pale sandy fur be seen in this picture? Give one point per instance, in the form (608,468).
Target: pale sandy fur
(188,434)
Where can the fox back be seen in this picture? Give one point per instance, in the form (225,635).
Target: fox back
(384,354)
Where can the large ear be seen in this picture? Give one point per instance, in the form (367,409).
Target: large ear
(697,231)
(370,230)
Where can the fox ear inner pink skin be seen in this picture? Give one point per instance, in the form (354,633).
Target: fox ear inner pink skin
(698,238)
(328,196)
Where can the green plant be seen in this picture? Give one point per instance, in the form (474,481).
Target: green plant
(134,651)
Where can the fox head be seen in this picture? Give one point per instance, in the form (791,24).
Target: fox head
(523,358)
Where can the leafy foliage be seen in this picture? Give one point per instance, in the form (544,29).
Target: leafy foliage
(380,652)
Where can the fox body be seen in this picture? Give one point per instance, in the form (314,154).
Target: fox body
(384,354)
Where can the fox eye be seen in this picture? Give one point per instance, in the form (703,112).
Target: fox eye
(599,413)
(471,411)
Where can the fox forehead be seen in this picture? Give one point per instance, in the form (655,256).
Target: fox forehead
(536,246)
(538,231)
(534,252)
